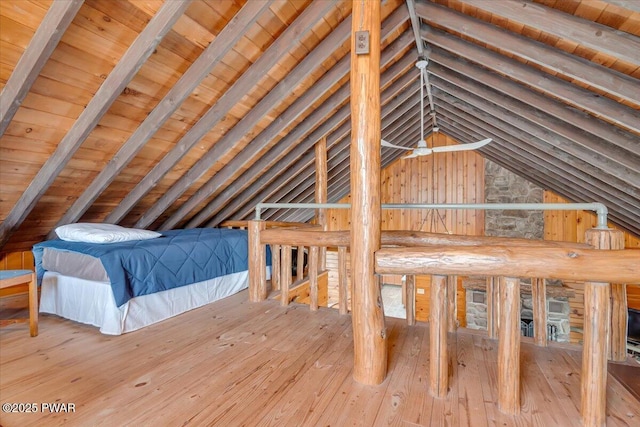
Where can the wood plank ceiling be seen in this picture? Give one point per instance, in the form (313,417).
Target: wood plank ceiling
(186,113)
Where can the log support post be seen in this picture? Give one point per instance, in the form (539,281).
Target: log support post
(539,297)
(321,194)
(410,299)
(257,263)
(597,325)
(439,357)
(369,333)
(509,347)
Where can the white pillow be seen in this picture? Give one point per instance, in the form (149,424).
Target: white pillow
(102,233)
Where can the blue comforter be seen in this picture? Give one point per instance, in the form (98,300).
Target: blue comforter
(178,258)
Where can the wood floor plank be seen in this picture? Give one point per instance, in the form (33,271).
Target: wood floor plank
(239,363)
(405,363)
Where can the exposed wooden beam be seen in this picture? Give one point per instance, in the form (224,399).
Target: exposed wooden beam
(552,172)
(553,86)
(524,118)
(114,84)
(235,29)
(545,175)
(627,4)
(537,152)
(311,121)
(286,118)
(37,53)
(598,128)
(223,105)
(571,66)
(297,159)
(415,26)
(595,36)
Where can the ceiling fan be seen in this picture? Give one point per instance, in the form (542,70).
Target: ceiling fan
(422,149)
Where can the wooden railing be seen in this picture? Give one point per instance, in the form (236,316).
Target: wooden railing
(307,274)
(448,255)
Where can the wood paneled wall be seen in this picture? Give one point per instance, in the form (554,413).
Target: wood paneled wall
(571,226)
(438,178)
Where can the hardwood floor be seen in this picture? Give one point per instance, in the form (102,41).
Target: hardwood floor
(234,363)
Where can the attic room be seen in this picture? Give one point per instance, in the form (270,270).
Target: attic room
(327,212)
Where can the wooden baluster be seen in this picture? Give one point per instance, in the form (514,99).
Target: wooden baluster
(343,295)
(509,347)
(257,263)
(596,331)
(313,278)
(539,298)
(410,299)
(300,264)
(452,285)
(493,306)
(275,267)
(439,358)
(285,275)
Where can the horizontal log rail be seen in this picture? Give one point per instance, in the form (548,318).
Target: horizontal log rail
(271,224)
(297,237)
(617,266)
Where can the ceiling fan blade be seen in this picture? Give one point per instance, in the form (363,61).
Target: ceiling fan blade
(390,145)
(412,156)
(461,147)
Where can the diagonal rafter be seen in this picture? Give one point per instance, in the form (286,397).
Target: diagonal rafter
(201,67)
(224,104)
(42,45)
(114,84)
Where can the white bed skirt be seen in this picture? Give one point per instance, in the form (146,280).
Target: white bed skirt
(93,303)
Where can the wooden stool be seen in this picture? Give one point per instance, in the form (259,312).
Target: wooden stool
(10,278)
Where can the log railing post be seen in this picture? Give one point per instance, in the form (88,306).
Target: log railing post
(257,263)
(619,322)
(439,358)
(509,347)
(539,298)
(313,278)
(285,274)
(369,332)
(343,296)
(300,263)
(493,306)
(275,267)
(410,299)
(596,335)
(611,239)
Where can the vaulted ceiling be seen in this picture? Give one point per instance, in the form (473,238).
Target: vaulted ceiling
(186,113)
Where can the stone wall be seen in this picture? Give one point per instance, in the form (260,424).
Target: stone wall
(503,186)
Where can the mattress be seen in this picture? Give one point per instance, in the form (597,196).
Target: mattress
(92,302)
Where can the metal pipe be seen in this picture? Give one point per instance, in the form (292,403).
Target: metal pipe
(599,208)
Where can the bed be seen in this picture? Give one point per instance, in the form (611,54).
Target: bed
(122,286)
